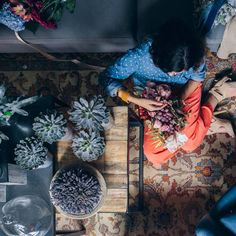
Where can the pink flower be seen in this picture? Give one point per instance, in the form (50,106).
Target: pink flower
(234,66)
(157,124)
(45,24)
(151,84)
(19,10)
(163,90)
(152,113)
(210,66)
(164,128)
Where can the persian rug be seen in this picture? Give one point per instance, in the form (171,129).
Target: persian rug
(177,194)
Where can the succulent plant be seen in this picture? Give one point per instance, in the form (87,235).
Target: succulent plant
(88,146)
(90,114)
(75,191)
(30,153)
(9,107)
(50,127)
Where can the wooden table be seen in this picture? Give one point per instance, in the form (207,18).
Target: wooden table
(112,165)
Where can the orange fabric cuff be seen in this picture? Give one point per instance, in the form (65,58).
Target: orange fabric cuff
(123,95)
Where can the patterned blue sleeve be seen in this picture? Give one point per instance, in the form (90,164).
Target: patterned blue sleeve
(199,74)
(111,79)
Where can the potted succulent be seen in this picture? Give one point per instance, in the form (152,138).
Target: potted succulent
(88,146)
(78,190)
(90,114)
(30,153)
(90,117)
(50,127)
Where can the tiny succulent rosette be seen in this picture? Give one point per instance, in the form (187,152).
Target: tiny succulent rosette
(167,121)
(75,191)
(30,153)
(50,127)
(89,114)
(88,145)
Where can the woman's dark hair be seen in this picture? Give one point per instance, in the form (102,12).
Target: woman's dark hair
(177,48)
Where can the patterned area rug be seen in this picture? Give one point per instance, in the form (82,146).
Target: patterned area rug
(177,194)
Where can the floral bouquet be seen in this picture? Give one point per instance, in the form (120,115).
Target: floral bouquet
(20,14)
(165,124)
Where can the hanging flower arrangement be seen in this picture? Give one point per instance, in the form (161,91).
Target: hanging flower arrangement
(29,14)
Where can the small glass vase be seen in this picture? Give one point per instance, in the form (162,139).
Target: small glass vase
(26,215)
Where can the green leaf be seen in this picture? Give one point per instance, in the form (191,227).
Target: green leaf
(58,14)
(70,5)
(7,113)
(32,26)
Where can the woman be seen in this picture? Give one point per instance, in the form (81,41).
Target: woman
(175,56)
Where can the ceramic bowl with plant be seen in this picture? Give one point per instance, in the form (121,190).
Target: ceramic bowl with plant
(78,190)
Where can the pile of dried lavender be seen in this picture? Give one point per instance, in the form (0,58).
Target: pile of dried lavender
(75,191)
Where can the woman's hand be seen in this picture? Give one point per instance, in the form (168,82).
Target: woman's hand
(148,104)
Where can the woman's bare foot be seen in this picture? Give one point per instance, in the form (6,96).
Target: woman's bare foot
(228,89)
(221,126)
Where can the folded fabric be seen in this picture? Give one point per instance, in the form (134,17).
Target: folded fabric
(228,44)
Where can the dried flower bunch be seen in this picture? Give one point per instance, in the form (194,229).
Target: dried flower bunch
(50,127)
(30,153)
(88,145)
(166,121)
(90,115)
(21,14)
(75,191)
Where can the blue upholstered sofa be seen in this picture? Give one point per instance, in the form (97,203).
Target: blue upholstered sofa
(101,26)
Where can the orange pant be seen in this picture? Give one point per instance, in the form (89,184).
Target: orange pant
(198,123)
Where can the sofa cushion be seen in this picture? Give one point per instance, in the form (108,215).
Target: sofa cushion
(95,26)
